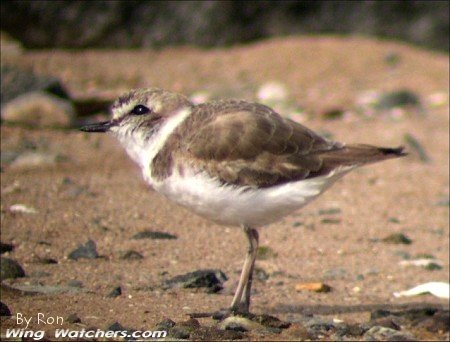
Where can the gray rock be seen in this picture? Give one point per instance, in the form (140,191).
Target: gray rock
(116,292)
(33,159)
(10,269)
(440,321)
(38,109)
(17,82)
(86,251)
(131,255)
(161,23)
(165,324)
(378,333)
(397,238)
(399,98)
(147,234)
(197,279)
(4,310)
(182,333)
(6,247)
(75,283)
(73,318)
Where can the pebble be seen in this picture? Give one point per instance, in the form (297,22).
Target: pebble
(379,333)
(10,269)
(116,292)
(166,324)
(240,324)
(87,251)
(335,273)
(182,333)
(4,310)
(397,238)
(147,234)
(197,279)
(313,287)
(6,247)
(399,98)
(330,221)
(39,109)
(272,92)
(265,252)
(33,159)
(131,255)
(22,208)
(75,283)
(73,318)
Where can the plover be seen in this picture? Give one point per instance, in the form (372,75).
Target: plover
(233,162)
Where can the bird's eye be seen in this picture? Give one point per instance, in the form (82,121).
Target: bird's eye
(140,109)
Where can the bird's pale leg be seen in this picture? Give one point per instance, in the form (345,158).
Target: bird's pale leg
(245,299)
(241,300)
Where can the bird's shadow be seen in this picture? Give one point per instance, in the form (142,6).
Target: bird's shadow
(343,309)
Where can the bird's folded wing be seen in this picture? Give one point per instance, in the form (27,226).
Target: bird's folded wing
(249,144)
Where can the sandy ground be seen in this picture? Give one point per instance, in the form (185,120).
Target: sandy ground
(113,202)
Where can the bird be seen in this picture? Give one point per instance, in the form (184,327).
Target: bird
(234,162)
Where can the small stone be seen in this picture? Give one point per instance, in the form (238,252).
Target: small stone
(116,326)
(10,269)
(6,247)
(116,292)
(270,321)
(440,321)
(22,208)
(330,221)
(378,333)
(197,279)
(333,113)
(265,252)
(182,333)
(272,93)
(260,274)
(73,318)
(397,238)
(131,255)
(4,310)
(33,159)
(46,261)
(313,287)
(147,234)
(329,211)
(240,324)
(166,324)
(318,327)
(75,283)
(39,109)
(396,99)
(87,251)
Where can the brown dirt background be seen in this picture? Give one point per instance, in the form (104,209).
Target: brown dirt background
(320,72)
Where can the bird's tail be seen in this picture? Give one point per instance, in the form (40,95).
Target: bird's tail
(361,154)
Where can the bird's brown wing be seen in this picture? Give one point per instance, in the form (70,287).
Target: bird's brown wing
(249,144)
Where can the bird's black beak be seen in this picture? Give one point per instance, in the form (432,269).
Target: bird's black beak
(99,127)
